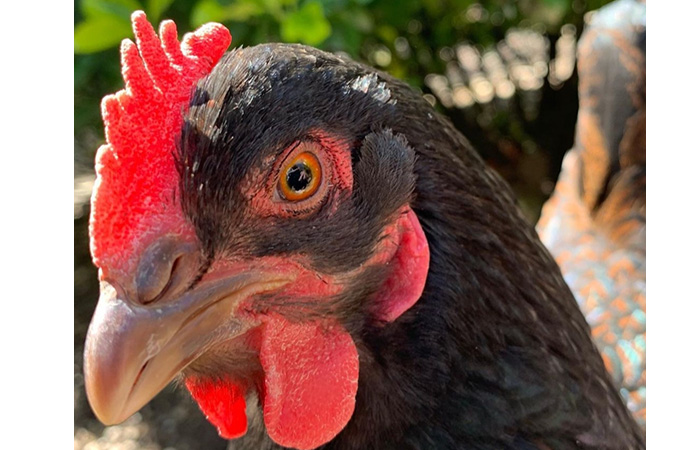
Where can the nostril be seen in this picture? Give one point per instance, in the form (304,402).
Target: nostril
(163,268)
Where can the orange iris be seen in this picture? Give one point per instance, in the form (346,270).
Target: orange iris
(300,177)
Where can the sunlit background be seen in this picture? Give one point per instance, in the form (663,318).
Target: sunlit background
(503,71)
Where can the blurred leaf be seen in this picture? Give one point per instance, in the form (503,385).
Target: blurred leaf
(397,14)
(207,11)
(275,7)
(110,8)
(387,33)
(556,3)
(155,8)
(549,12)
(307,25)
(99,33)
(345,37)
(434,8)
(211,11)
(243,10)
(360,19)
(336,6)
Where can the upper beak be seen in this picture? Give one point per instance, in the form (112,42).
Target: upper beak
(133,350)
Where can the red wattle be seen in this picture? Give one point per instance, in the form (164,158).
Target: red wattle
(311,378)
(223,403)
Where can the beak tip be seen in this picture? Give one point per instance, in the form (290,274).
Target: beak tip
(104,393)
(103,408)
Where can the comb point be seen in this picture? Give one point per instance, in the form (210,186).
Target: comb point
(109,106)
(135,75)
(207,43)
(167,26)
(139,17)
(170,43)
(153,55)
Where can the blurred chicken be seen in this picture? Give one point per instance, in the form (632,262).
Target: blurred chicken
(594,224)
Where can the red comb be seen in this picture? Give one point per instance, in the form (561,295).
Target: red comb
(135,195)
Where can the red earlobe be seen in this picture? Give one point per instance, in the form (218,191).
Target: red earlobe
(409,266)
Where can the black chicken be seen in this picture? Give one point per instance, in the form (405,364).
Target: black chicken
(313,249)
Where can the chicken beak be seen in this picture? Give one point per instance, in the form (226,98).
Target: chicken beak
(133,351)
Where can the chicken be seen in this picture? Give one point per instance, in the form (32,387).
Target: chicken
(324,261)
(594,224)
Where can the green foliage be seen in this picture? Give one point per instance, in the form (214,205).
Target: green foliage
(347,25)
(307,25)
(403,37)
(106,24)
(109,8)
(406,38)
(291,20)
(155,8)
(99,33)
(212,11)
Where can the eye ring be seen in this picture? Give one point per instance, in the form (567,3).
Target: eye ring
(300,177)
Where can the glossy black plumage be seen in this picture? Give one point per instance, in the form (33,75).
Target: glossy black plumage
(496,353)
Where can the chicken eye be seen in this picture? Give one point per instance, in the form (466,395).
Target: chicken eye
(300,177)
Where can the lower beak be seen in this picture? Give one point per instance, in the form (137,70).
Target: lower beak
(133,351)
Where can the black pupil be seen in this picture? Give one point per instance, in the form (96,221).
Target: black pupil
(298,177)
